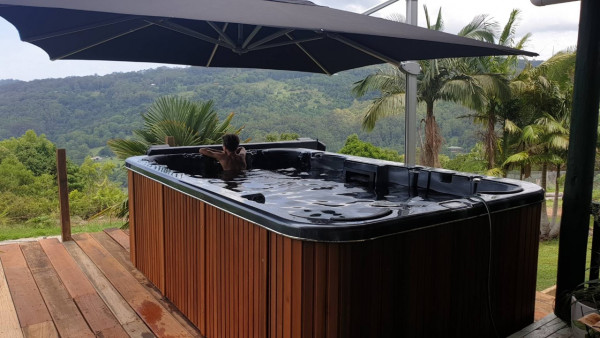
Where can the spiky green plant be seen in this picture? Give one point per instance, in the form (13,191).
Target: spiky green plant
(189,123)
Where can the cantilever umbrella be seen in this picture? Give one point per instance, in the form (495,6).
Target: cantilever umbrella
(269,34)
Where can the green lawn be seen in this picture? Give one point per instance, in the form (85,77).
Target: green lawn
(548,261)
(27,231)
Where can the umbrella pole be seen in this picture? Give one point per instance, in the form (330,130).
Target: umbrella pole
(408,68)
(410,106)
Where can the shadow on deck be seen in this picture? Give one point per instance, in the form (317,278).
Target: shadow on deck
(84,288)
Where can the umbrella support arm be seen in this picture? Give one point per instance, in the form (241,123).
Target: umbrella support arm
(363,48)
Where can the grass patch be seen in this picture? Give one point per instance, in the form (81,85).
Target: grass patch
(17,231)
(548,263)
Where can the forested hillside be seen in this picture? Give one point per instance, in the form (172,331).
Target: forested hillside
(82,113)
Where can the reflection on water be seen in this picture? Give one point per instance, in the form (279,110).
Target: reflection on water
(322,197)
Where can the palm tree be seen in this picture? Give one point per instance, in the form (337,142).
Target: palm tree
(545,143)
(497,105)
(545,94)
(445,79)
(190,123)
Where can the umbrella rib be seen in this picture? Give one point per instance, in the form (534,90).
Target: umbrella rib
(293,42)
(297,42)
(251,36)
(101,42)
(189,32)
(363,49)
(214,51)
(269,38)
(222,34)
(80,28)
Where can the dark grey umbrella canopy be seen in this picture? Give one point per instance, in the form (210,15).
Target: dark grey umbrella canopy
(282,34)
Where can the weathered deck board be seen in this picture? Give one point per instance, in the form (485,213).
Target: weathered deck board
(83,288)
(94,310)
(130,321)
(549,326)
(9,323)
(65,315)
(41,330)
(29,304)
(147,307)
(119,236)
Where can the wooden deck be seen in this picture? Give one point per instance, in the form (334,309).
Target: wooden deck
(89,287)
(546,323)
(549,326)
(84,288)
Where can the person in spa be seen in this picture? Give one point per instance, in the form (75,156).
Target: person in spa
(232,158)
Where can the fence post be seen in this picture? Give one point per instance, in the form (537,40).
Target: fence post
(63,194)
(170,140)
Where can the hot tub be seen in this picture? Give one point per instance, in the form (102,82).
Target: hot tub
(308,242)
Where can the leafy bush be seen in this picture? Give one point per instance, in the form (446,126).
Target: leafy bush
(354,146)
(473,162)
(29,191)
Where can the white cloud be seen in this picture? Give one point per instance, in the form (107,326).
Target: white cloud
(553,27)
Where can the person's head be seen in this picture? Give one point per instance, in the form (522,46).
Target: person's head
(231,142)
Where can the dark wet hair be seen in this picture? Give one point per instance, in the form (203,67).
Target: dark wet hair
(231,142)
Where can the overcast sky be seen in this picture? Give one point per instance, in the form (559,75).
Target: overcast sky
(553,28)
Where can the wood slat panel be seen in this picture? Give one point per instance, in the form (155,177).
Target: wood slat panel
(308,275)
(183,244)
(96,313)
(333,290)
(149,229)
(9,323)
(128,319)
(66,317)
(28,301)
(320,291)
(296,297)
(287,287)
(263,263)
(236,275)
(132,212)
(160,321)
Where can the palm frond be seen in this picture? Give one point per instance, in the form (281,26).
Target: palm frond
(127,148)
(385,81)
(496,172)
(382,107)
(511,127)
(189,123)
(480,28)
(518,158)
(509,30)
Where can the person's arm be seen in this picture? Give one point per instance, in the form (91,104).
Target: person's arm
(241,151)
(211,153)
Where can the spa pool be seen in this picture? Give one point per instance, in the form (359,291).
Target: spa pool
(307,242)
